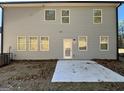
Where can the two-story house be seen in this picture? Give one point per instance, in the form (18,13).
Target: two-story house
(60,30)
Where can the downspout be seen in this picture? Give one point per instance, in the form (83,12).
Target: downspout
(2,29)
(117,51)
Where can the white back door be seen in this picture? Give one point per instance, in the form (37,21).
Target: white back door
(67,48)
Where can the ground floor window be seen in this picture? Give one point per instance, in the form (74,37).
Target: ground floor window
(104,43)
(21,43)
(33,43)
(82,43)
(44,43)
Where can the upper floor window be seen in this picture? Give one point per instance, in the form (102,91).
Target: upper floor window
(104,43)
(44,43)
(82,43)
(97,16)
(50,14)
(21,43)
(33,43)
(65,16)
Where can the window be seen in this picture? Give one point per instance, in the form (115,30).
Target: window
(44,43)
(65,17)
(49,14)
(104,41)
(33,43)
(21,43)
(82,43)
(97,16)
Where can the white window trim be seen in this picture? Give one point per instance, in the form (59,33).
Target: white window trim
(29,43)
(18,43)
(86,43)
(44,15)
(48,43)
(101,43)
(65,16)
(98,16)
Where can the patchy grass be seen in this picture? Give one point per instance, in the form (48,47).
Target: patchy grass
(34,76)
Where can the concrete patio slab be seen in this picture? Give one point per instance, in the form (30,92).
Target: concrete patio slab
(84,71)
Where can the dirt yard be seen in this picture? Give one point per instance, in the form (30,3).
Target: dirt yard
(117,66)
(35,76)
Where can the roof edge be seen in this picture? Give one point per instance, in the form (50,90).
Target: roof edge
(57,3)
(29,2)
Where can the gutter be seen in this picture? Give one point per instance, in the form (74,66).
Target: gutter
(117,51)
(35,2)
(42,3)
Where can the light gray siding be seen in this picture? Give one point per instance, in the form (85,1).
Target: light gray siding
(30,22)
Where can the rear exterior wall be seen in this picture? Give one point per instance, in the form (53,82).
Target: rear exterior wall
(30,22)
